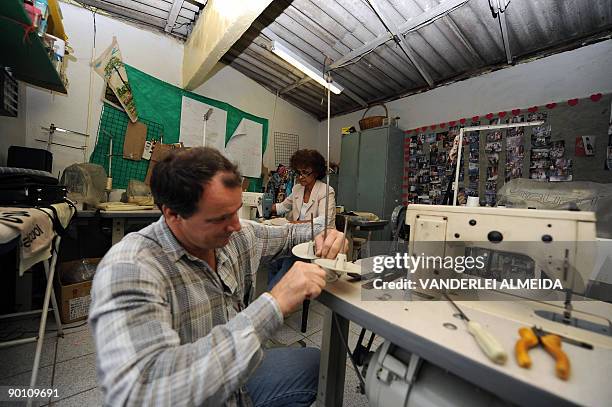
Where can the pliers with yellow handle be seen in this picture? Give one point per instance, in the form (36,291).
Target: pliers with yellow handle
(531,337)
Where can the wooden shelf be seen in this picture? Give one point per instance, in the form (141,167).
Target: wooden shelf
(25,55)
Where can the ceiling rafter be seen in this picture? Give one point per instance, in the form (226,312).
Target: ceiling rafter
(398,37)
(173,15)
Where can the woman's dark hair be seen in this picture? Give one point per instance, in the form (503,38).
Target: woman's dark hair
(178,180)
(309,159)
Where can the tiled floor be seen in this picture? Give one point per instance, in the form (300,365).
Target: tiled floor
(68,363)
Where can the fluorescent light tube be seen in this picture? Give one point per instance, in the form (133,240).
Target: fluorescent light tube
(309,70)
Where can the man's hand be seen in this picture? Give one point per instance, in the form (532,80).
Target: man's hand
(302,281)
(334,243)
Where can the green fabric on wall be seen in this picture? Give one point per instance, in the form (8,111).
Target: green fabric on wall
(160,102)
(157,101)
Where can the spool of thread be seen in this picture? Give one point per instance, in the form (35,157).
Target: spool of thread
(473,201)
(109,184)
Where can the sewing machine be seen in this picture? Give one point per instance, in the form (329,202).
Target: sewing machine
(251,204)
(552,243)
(429,358)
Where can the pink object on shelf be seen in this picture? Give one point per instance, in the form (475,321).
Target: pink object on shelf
(34,13)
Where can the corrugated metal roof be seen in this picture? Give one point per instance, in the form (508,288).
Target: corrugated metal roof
(175,17)
(443,45)
(378,50)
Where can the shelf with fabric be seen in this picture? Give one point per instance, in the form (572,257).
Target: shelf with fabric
(23,50)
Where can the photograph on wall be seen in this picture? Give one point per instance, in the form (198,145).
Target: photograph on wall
(492,173)
(537,174)
(558,149)
(490,198)
(585,146)
(517,119)
(493,159)
(531,117)
(608,162)
(540,136)
(513,172)
(538,154)
(589,145)
(493,147)
(561,170)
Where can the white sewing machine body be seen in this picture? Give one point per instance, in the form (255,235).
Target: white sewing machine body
(251,204)
(542,235)
(405,377)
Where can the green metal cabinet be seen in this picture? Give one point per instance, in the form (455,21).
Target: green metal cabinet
(370,179)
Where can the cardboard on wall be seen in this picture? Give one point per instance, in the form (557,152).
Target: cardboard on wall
(135,138)
(159,152)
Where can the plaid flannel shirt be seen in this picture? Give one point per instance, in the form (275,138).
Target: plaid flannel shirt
(171,331)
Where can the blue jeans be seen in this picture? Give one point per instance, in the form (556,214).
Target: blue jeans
(286,377)
(285,264)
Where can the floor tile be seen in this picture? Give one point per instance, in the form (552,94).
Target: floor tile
(20,359)
(75,375)
(74,345)
(92,397)
(352,396)
(317,307)
(315,322)
(75,327)
(286,335)
(316,338)
(28,322)
(353,337)
(23,380)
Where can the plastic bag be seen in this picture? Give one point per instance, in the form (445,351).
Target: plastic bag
(85,183)
(581,195)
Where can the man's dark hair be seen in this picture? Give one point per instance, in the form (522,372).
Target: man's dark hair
(309,159)
(178,180)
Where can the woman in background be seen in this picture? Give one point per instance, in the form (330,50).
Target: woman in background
(307,198)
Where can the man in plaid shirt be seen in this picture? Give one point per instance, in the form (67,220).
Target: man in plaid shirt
(169,310)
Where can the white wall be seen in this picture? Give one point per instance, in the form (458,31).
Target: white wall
(577,73)
(231,86)
(154,53)
(157,55)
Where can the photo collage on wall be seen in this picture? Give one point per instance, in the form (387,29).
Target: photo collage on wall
(429,171)
(473,143)
(493,147)
(417,169)
(548,162)
(608,159)
(515,149)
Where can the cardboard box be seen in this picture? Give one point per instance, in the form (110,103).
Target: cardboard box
(73,298)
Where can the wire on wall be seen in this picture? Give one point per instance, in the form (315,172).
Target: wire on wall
(91,71)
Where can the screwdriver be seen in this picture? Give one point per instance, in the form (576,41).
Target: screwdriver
(487,342)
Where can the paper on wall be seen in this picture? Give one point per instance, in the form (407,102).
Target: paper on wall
(195,131)
(244,148)
(110,66)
